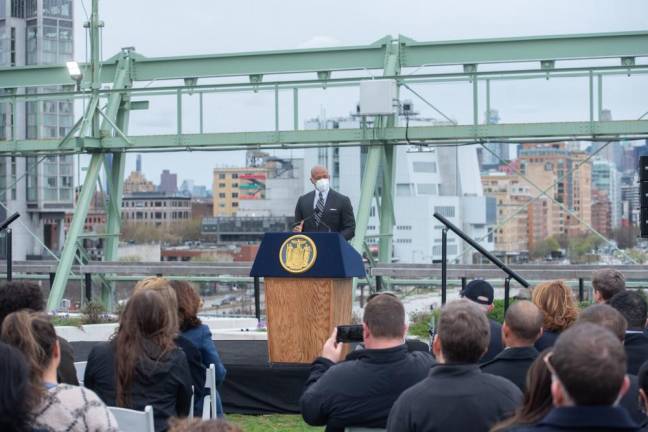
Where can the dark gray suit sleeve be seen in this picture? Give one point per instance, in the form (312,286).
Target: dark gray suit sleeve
(299,215)
(348,220)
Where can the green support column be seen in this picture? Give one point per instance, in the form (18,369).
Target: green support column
(117,112)
(387,217)
(369,180)
(113,222)
(370,177)
(76,228)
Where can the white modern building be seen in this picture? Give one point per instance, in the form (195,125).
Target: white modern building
(41,189)
(428,180)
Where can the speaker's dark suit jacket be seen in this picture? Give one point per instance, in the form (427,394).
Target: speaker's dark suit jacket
(337,215)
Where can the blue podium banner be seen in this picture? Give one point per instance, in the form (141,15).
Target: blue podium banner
(307,255)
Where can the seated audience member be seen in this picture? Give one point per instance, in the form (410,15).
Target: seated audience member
(194,358)
(556,301)
(16,399)
(633,308)
(15,296)
(142,365)
(522,327)
(361,392)
(587,366)
(196,332)
(537,397)
(608,317)
(456,395)
(59,407)
(482,293)
(196,425)
(413,344)
(607,283)
(642,380)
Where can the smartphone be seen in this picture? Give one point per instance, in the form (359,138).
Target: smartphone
(349,333)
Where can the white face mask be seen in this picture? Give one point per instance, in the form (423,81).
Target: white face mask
(322,185)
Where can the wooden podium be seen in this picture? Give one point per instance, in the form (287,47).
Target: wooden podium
(308,291)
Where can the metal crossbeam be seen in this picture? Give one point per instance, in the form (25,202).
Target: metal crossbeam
(415,54)
(526,49)
(601,130)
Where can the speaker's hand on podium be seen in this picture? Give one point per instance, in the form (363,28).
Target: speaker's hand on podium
(331,349)
(300,227)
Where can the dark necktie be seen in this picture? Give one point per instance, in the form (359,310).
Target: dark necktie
(319,209)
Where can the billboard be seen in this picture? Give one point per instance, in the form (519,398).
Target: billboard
(252,186)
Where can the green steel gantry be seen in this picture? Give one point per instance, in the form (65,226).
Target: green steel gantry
(102,131)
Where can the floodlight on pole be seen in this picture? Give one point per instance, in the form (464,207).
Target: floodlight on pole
(75,73)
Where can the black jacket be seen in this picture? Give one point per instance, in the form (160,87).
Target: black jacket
(66,372)
(630,401)
(361,390)
(512,364)
(196,369)
(636,347)
(337,215)
(495,346)
(547,340)
(584,418)
(165,384)
(452,398)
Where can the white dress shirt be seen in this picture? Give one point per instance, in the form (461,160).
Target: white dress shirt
(324,195)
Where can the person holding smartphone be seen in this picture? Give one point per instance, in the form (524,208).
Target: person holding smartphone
(360,392)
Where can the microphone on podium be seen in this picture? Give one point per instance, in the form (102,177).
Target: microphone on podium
(321,222)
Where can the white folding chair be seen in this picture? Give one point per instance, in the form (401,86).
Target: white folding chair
(134,421)
(211,400)
(80,370)
(191,408)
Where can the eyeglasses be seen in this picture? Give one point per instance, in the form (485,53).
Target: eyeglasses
(554,374)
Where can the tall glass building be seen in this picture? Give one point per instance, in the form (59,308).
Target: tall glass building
(36,32)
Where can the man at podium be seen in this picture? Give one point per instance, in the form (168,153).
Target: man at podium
(324,209)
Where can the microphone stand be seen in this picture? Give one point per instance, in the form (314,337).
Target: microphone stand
(8,238)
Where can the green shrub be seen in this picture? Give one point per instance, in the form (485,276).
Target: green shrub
(420,323)
(94,313)
(497,313)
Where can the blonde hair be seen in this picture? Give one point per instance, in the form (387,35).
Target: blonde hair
(163,287)
(556,301)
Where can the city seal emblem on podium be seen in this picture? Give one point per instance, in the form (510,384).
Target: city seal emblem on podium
(297,254)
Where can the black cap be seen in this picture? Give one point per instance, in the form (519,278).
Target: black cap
(479,291)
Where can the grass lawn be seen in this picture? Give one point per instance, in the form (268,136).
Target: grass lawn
(274,422)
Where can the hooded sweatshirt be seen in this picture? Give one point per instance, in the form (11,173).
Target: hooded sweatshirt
(162,381)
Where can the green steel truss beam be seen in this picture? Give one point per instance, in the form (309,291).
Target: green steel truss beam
(379,158)
(413,54)
(320,137)
(525,49)
(114,167)
(76,228)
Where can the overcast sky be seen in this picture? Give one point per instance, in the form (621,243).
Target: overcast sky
(170,28)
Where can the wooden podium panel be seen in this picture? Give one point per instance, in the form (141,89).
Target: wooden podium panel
(302,314)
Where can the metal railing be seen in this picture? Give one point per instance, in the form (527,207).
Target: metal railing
(400,274)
